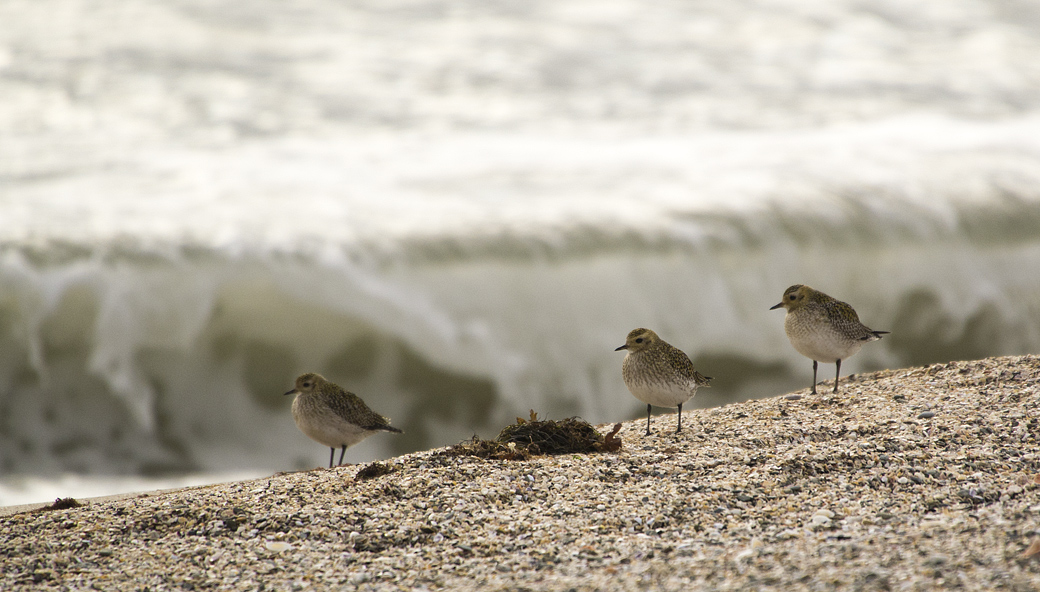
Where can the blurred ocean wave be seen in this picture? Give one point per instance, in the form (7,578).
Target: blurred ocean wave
(458,210)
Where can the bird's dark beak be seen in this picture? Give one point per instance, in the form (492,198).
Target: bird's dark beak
(292,392)
(622,347)
(776,307)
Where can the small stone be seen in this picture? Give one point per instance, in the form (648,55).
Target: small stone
(926,415)
(970,494)
(277,546)
(793,397)
(936,560)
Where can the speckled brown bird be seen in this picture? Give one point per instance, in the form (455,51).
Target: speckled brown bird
(333,416)
(822,328)
(658,374)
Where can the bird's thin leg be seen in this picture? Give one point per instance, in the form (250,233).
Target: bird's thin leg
(648,419)
(332,455)
(837,375)
(342,451)
(678,424)
(814,366)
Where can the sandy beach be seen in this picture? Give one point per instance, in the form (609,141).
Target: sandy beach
(911,479)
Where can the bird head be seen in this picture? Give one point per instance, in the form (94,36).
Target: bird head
(307,383)
(794,297)
(639,339)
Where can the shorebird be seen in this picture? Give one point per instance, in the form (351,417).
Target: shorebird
(822,328)
(658,374)
(333,416)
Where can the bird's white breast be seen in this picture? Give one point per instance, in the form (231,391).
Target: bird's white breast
(818,340)
(325,427)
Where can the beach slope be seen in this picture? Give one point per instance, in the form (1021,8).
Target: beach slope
(908,479)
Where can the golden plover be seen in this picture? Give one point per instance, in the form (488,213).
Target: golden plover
(822,328)
(658,374)
(333,416)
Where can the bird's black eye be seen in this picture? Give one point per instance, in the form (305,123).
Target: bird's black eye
(639,340)
(307,385)
(791,297)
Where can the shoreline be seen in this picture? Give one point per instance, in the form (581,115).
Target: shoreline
(907,479)
(161,485)
(37,506)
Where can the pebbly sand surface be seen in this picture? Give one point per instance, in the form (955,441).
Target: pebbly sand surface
(912,479)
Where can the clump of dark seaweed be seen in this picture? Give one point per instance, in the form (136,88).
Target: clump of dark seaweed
(488,449)
(532,437)
(371,471)
(61,503)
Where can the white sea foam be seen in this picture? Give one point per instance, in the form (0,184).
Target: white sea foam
(219,200)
